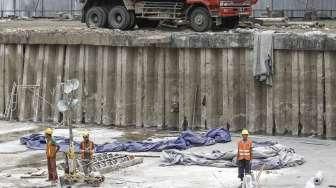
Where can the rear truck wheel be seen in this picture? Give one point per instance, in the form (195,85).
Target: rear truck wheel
(132,20)
(96,17)
(200,19)
(119,18)
(145,23)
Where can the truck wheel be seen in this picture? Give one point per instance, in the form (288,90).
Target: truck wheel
(119,18)
(145,23)
(96,17)
(200,19)
(132,20)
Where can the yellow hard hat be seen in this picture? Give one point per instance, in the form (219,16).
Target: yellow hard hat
(48,131)
(244,131)
(85,133)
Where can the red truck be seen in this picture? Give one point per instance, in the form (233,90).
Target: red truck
(201,15)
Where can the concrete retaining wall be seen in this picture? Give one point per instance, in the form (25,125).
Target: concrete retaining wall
(156,80)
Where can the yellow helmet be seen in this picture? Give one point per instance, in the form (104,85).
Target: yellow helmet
(85,133)
(244,131)
(48,131)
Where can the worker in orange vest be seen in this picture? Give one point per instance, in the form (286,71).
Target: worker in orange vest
(87,150)
(51,150)
(244,155)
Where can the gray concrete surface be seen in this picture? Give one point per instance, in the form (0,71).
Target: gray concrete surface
(318,155)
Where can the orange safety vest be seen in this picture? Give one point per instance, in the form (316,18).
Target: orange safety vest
(244,150)
(84,145)
(51,149)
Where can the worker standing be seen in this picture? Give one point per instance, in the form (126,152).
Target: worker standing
(51,150)
(87,150)
(244,155)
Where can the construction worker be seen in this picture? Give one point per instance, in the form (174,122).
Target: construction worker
(51,150)
(244,155)
(87,150)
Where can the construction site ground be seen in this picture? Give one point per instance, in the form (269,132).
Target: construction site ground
(16,161)
(59,25)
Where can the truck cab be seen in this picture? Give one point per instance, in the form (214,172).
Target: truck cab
(200,15)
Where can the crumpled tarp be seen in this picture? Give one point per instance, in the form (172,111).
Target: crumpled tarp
(270,154)
(186,140)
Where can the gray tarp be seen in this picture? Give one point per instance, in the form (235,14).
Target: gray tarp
(273,155)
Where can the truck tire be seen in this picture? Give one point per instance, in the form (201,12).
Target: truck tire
(200,19)
(119,18)
(96,17)
(132,20)
(145,23)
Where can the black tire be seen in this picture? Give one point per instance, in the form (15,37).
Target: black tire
(145,23)
(119,18)
(200,19)
(230,22)
(132,20)
(96,17)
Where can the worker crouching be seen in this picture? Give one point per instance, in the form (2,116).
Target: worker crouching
(244,155)
(87,150)
(51,150)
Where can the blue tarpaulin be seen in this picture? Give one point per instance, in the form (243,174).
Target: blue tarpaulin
(186,140)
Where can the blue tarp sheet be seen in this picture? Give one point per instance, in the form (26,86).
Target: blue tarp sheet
(186,140)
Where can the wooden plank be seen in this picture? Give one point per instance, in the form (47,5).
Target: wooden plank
(253,119)
(301,91)
(196,93)
(160,88)
(308,93)
(99,85)
(59,56)
(13,64)
(2,80)
(203,91)
(139,88)
(109,85)
(182,103)
(48,81)
(90,84)
(242,88)
(320,93)
(330,90)
(172,88)
(215,88)
(25,111)
(75,56)
(270,129)
(295,93)
(282,92)
(38,67)
(226,118)
(149,83)
(231,87)
(128,87)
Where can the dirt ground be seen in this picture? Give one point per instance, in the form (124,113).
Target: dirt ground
(17,160)
(57,25)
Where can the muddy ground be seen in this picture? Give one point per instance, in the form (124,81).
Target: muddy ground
(16,160)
